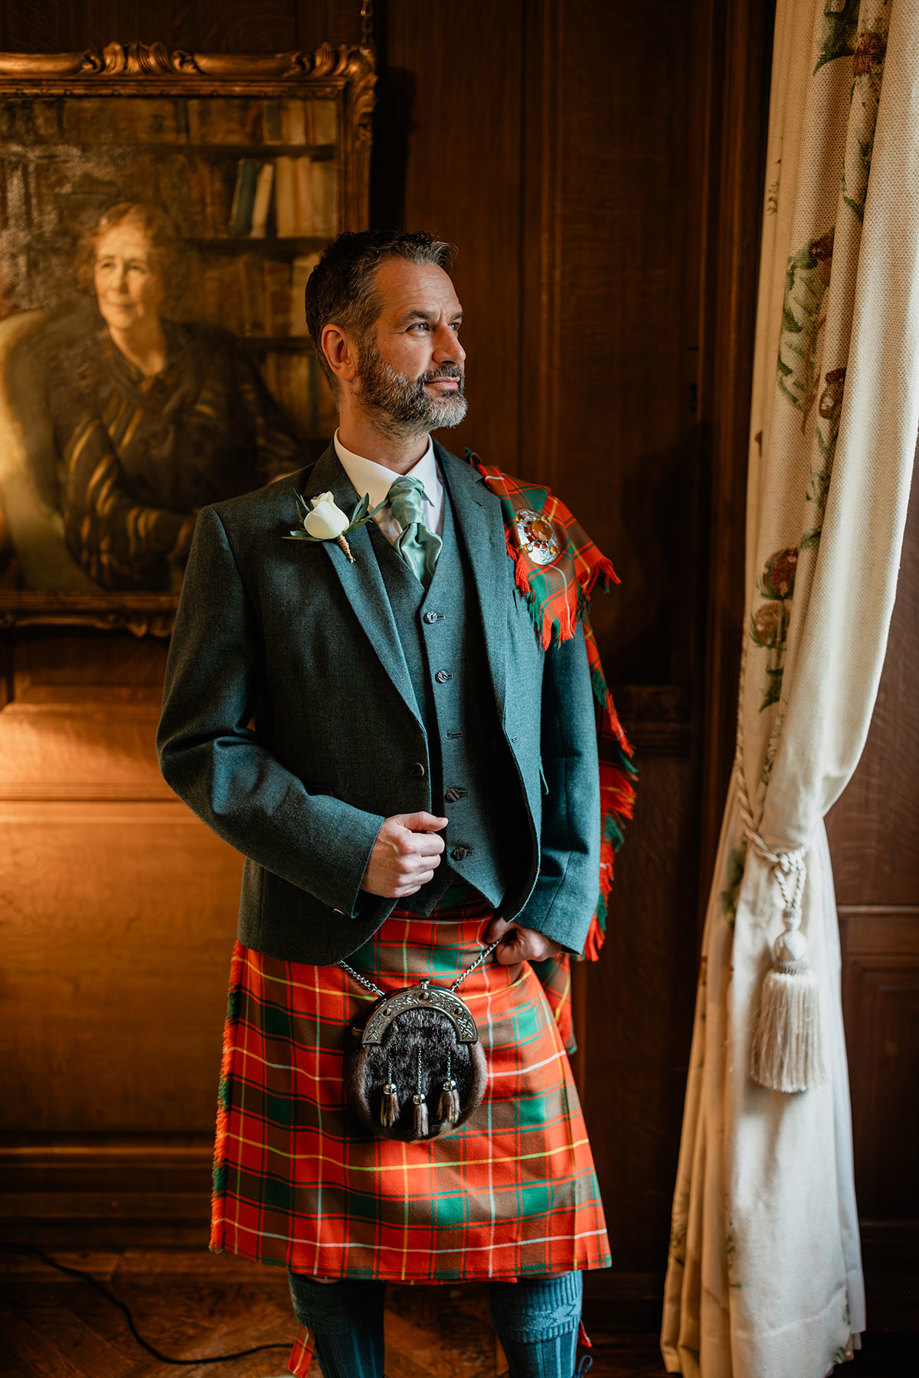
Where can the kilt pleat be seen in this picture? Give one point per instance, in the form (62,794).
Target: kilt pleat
(298,1182)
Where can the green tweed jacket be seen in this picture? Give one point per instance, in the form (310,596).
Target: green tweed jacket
(289,722)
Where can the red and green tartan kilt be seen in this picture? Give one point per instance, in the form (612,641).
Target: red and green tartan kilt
(512,1192)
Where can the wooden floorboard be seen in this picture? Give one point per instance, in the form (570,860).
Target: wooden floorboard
(48,1311)
(192,1305)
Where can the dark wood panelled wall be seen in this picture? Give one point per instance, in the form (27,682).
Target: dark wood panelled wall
(598,166)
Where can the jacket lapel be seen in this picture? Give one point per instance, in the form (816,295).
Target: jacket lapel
(362,582)
(478,515)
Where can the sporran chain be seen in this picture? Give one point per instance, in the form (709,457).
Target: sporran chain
(369,985)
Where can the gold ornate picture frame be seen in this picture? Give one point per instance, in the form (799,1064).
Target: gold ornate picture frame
(159,215)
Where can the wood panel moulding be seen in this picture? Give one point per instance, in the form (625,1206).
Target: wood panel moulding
(454,82)
(881,1009)
(64,666)
(874,828)
(117,929)
(81,717)
(657,717)
(738,100)
(605,372)
(639,1016)
(96,751)
(127,1181)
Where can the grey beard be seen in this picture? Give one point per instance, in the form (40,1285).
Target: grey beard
(401,406)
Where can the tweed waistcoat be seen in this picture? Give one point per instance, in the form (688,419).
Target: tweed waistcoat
(469,770)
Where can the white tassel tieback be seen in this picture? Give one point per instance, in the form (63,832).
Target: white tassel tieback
(786,1051)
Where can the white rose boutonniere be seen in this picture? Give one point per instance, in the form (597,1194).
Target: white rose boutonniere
(323,520)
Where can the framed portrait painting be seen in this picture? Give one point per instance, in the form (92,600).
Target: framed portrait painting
(161,212)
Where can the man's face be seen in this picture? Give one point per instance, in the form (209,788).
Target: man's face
(411,361)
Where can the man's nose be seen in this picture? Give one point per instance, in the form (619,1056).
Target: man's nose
(447,348)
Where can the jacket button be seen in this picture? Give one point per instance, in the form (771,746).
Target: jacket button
(430,617)
(416,771)
(460,853)
(442,676)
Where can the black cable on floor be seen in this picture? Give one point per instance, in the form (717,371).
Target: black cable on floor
(116,1301)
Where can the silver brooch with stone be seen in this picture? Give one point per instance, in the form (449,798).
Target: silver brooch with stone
(536,536)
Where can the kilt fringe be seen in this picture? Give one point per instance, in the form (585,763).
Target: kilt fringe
(219,1173)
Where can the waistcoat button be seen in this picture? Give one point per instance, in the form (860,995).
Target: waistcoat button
(416,771)
(454,793)
(442,676)
(430,617)
(460,853)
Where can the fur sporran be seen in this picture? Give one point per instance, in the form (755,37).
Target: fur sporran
(416,1068)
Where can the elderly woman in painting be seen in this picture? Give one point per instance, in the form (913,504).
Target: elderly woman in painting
(154,418)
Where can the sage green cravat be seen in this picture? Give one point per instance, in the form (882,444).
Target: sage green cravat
(418,546)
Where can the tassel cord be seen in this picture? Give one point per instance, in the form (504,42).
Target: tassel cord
(789,869)
(786,1052)
(389,1108)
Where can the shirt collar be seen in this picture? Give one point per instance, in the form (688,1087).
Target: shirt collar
(369,477)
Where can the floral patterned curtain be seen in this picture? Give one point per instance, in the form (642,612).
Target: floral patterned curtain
(764,1275)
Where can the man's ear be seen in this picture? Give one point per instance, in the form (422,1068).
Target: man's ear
(340,350)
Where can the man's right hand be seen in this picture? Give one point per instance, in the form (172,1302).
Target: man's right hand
(405,855)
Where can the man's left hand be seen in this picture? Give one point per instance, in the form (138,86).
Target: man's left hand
(519,944)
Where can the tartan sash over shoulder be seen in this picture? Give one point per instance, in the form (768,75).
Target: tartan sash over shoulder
(558,595)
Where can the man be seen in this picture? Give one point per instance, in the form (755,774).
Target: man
(410,767)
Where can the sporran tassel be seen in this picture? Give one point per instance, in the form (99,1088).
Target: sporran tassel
(421,1106)
(448,1106)
(389,1109)
(787,1049)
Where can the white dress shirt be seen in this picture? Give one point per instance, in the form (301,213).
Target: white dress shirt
(369,477)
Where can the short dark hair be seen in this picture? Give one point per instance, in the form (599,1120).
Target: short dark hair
(341,288)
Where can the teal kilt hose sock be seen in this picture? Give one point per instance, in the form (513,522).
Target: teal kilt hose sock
(537,1320)
(346,1319)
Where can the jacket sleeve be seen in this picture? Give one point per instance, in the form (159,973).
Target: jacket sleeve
(214,761)
(565,895)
